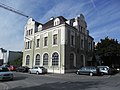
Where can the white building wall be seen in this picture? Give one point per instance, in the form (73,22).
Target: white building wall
(3,55)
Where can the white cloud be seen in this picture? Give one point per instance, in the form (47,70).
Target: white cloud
(67,9)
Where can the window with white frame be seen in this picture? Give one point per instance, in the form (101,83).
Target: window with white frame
(55,59)
(28,45)
(37,61)
(27,60)
(55,39)
(45,41)
(25,45)
(29,32)
(45,59)
(38,43)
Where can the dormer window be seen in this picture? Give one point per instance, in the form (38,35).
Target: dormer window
(56,21)
(39,27)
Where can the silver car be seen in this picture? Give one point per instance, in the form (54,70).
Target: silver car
(90,70)
(104,69)
(5,74)
(38,70)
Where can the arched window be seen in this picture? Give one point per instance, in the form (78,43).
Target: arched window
(45,59)
(37,61)
(27,60)
(55,59)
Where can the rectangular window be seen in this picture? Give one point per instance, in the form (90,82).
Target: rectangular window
(82,43)
(45,41)
(25,45)
(81,29)
(55,39)
(26,33)
(38,43)
(72,40)
(89,46)
(31,31)
(30,44)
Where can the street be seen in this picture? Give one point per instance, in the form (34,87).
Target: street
(71,81)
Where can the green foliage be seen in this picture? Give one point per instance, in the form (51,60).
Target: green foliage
(17,62)
(108,47)
(109,51)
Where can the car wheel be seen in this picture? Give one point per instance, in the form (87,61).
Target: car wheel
(11,78)
(102,73)
(77,73)
(29,72)
(91,74)
(37,73)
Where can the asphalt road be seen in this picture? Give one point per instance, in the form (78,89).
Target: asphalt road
(24,81)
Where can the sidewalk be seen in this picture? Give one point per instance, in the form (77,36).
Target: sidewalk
(75,76)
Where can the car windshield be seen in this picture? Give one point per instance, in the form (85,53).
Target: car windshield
(4,70)
(41,67)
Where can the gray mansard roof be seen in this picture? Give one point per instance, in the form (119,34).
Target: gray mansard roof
(50,23)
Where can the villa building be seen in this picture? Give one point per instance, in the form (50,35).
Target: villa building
(60,45)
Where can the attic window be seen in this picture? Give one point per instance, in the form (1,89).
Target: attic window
(56,21)
(39,27)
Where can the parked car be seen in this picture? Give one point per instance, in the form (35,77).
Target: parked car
(38,70)
(5,74)
(107,70)
(104,69)
(22,69)
(90,70)
(12,68)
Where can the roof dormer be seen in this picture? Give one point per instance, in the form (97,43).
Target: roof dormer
(56,21)
(40,27)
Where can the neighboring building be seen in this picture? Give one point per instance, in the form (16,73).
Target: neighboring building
(60,45)
(3,56)
(13,55)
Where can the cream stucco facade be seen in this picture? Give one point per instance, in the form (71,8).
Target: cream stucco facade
(60,45)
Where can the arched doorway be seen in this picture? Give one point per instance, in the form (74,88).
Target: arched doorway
(83,60)
(72,61)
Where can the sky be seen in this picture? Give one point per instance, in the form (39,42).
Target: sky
(102,17)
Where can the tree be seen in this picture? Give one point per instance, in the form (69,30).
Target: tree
(109,51)
(17,62)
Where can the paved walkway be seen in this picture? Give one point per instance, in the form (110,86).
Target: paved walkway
(75,76)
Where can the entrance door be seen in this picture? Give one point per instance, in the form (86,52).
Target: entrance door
(83,60)
(71,61)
